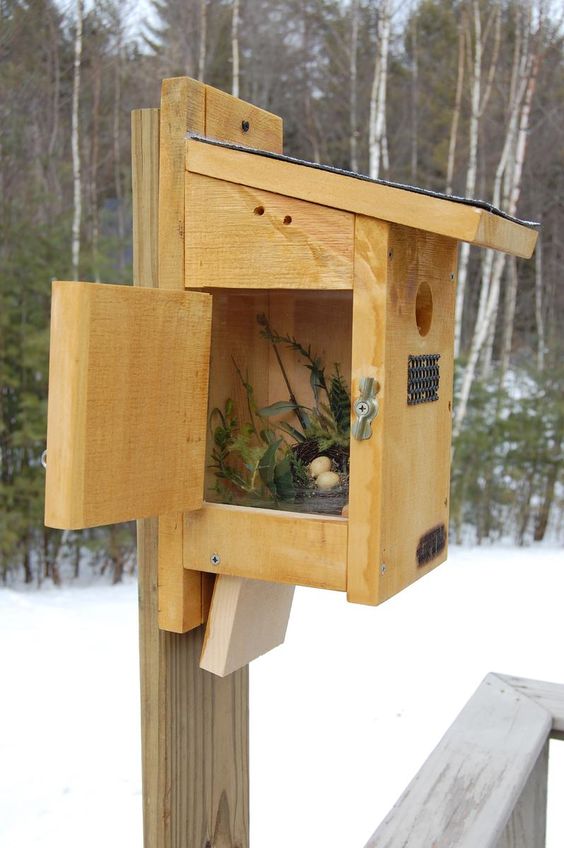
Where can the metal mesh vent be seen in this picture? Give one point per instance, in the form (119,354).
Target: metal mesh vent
(431,544)
(423,378)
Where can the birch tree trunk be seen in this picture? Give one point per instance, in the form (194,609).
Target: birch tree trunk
(510,168)
(456,111)
(203,39)
(116,145)
(353,91)
(75,145)
(414,102)
(478,103)
(539,316)
(377,140)
(235,48)
(94,148)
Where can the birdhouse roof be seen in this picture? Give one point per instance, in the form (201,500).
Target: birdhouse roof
(464,219)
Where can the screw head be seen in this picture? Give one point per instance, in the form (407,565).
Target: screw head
(245,126)
(383,568)
(362,407)
(215,559)
(452,276)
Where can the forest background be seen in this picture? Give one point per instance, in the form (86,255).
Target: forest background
(463,96)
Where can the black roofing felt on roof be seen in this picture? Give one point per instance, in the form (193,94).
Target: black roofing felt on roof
(329,169)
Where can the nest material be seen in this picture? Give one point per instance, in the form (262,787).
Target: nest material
(311,499)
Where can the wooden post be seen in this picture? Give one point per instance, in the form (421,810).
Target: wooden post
(194,725)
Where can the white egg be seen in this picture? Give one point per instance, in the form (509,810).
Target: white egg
(327,480)
(319,465)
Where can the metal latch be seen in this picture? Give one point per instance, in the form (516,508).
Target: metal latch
(366,408)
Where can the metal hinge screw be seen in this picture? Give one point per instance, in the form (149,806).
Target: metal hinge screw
(215,559)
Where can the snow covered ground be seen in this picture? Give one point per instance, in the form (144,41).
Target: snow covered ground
(342,716)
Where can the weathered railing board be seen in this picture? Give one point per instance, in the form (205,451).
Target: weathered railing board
(467,791)
(527,826)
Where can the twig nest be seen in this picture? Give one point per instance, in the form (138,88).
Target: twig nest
(320,465)
(327,480)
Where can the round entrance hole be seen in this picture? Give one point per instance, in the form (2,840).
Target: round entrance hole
(424,308)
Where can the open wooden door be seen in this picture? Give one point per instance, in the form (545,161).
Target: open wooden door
(128,388)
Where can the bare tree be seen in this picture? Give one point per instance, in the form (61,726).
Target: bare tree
(456,111)
(75,143)
(509,176)
(377,142)
(539,311)
(479,97)
(353,92)
(203,39)
(235,48)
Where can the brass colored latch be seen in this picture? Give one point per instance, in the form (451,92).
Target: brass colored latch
(366,408)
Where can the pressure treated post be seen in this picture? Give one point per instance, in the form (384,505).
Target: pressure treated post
(194,725)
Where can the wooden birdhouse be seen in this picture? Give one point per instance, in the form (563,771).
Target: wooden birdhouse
(278,386)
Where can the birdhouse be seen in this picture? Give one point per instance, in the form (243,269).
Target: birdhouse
(283,399)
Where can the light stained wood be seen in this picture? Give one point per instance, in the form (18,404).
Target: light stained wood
(239,237)
(225,115)
(195,732)
(467,791)
(268,545)
(455,220)
(145,190)
(417,439)
(180,601)
(190,106)
(194,726)
(400,476)
(247,619)
(130,442)
(307,551)
(370,315)
(183,109)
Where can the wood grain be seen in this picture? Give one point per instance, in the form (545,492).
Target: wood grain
(226,114)
(467,791)
(400,476)
(240,237)
(367,457)
(547,695)
(131,441)
(183,109)
(526,827)
(194,726)
(417,438)
(224,117)
(268,544)
(247,619)
(444,217)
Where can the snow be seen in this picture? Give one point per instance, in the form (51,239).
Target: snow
(342,715)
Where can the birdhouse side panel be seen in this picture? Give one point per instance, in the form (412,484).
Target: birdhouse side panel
(418,408)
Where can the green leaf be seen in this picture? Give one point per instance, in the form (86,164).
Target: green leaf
(299,437)
(267,465)
(284,480)
(278,408)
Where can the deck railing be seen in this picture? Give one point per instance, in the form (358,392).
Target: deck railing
(485,784)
